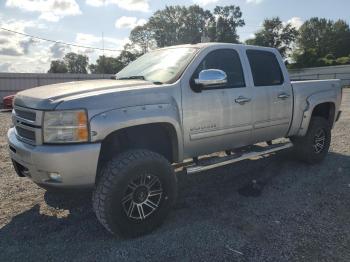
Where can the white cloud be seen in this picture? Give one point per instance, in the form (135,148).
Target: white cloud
(129,22)
(131,5)
(93,40)
(96,41)
(12,44)
(296,22)
(57,51)
(38,62)
(86,39)
(205,2)
(20,53)
(254,1)
(40,55)
(23,54)
(97,3)
(50,10)
(4,67)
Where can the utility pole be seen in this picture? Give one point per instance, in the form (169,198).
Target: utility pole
(103,55)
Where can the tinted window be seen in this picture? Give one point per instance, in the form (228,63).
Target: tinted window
(226,60)
(265,68)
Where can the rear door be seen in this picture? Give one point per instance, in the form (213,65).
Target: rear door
(273,98)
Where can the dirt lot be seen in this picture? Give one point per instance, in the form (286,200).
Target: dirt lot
(302,214)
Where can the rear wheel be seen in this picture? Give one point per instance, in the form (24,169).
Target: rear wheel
(135,192)
(313,147)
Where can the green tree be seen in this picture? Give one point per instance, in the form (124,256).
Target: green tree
(196,21)
(143,38)
(126,57)
(306,58)
(341,39)
(321,42)
(179,25)
(112,65)
(187,25)
(58,66)
(316,34)
(76,63)
(345,60)
(106,65)
(275,34)
(224,27)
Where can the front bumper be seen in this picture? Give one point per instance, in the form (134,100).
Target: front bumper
(76,164)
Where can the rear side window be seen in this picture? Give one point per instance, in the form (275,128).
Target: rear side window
(226,60)
(265,68)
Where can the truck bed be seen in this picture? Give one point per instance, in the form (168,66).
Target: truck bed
(306,91)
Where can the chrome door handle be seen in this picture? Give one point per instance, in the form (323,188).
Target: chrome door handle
(242,100)
(283,96)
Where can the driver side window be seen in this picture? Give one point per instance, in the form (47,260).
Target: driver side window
(226,60)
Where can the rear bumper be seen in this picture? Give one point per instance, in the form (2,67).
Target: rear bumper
(75,164)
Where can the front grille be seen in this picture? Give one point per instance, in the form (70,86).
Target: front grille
(28,115)
(24,133)
(27,123)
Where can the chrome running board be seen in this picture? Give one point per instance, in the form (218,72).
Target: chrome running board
(211,163)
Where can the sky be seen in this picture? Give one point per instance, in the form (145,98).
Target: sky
(83,22)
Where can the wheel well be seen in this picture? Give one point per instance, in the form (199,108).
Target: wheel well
(159,137)
(325,110)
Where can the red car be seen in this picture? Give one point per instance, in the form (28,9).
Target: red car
(7,101)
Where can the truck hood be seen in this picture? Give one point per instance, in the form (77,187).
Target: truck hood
(49,96)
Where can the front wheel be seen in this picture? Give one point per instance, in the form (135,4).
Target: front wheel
(135,192)
(313,147)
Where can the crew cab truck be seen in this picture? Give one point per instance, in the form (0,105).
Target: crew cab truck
(122,137)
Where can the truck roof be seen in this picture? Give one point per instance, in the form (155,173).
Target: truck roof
(205,45)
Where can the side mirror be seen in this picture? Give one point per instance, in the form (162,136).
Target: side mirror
(211,77)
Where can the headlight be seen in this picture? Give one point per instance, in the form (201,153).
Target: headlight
(69,126)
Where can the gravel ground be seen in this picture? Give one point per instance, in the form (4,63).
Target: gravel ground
(302,214)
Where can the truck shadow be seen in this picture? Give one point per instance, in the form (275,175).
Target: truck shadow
(211,196)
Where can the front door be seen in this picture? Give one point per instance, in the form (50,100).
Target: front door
(220,117)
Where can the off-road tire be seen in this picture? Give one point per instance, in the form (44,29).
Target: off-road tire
(304,147)
(116,175)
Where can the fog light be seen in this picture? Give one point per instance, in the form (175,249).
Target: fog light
(55,177)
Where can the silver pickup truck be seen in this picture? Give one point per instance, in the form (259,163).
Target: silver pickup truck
(124,137)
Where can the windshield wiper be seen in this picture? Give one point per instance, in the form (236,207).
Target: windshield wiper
(139,77)
(132,77)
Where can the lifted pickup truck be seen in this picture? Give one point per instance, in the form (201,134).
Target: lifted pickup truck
(123,137)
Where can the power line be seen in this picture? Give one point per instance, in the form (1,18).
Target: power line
(59,42)
(88,47)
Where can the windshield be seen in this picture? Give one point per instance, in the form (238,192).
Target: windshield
(160,66)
